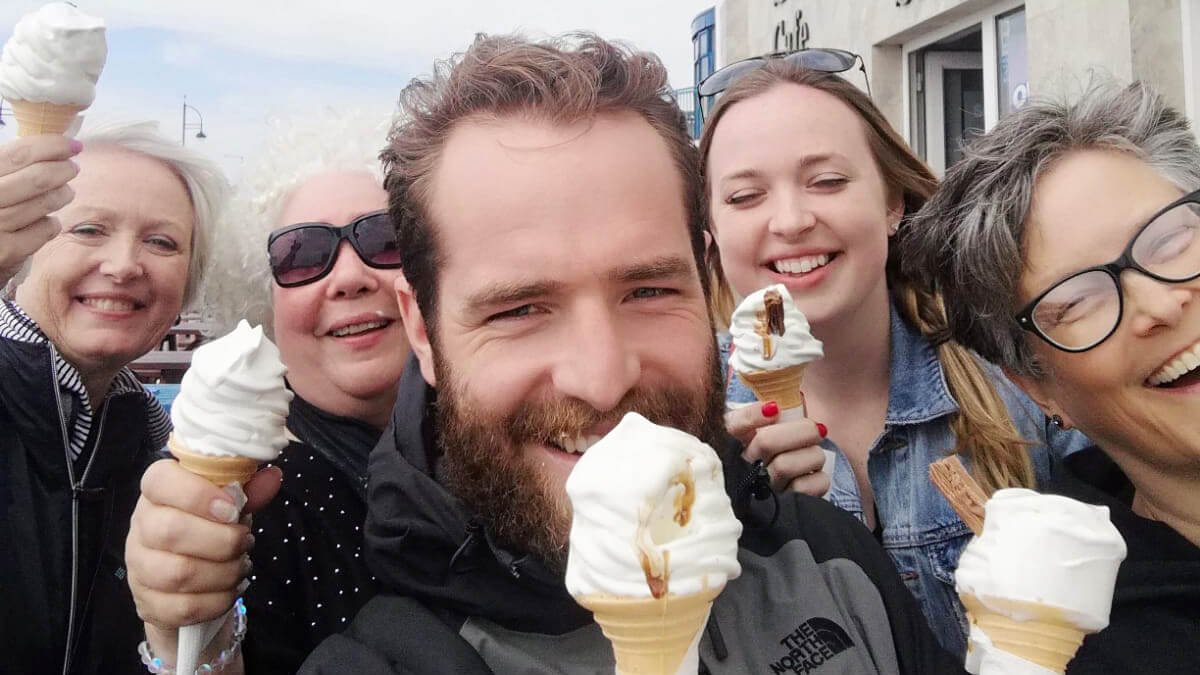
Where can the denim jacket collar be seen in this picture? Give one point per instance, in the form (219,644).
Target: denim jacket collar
(917,391)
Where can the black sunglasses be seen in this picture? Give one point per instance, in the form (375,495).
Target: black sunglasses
(303,253)
(1081,311)
(824,59)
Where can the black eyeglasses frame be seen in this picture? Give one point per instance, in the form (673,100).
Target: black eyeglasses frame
(1125,261)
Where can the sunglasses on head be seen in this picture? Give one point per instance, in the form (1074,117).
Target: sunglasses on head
(303,253)
(824,59)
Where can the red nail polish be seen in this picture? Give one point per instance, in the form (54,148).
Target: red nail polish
(770,409)
(822,429)
(76,146)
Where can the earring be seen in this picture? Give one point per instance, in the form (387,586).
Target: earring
(1056,421)
(893,228)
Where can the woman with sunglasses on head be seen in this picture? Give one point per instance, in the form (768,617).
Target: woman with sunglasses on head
(810,187)
(315,263)
(1106,337)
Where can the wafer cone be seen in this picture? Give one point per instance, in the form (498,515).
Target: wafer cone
(1048,638)
(35,118)
(781,385)
(651,636)
(220,471)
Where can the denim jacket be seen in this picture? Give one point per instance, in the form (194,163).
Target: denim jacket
(919,529)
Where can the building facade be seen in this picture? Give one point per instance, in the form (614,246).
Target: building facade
(941,70)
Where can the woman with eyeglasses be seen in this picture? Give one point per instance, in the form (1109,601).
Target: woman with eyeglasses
(809,186)
(1067,246)
(315,263)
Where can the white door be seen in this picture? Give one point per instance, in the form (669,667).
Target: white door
(954,104)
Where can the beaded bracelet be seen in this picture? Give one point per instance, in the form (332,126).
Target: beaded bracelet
(154,664)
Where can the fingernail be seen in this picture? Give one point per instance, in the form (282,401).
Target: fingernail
(822,429)
(223,511)
(248,542)
(247,565)
(770,409)
(76,146)
(241,588)
(74,164)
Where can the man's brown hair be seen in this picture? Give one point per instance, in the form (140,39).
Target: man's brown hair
(559,80)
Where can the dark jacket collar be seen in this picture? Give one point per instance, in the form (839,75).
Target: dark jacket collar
(344,441)
(423,543)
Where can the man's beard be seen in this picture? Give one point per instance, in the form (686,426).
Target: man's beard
(522,506)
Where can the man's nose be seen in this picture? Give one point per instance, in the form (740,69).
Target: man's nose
(599,366)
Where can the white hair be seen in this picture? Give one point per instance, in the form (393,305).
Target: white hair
(205,183)
(239,276)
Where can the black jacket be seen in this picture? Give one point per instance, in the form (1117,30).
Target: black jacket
(310,577)
(817,594)
(1155,620)
(64,603)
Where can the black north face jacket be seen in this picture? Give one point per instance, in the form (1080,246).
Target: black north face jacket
(817,594)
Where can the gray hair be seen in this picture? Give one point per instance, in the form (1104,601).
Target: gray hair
(205,184)
(967,242)
(239,277)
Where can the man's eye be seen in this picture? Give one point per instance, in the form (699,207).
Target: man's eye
(646,293)
(514,313)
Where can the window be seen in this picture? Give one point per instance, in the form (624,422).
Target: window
(1012,61)
(705,60)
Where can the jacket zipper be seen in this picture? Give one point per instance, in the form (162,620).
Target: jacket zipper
(75,492)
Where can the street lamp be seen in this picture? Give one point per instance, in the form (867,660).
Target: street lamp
(191,125)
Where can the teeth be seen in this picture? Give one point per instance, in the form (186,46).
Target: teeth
(1178,367)
(801,265)
(108,304)
(358,328)
(576,445)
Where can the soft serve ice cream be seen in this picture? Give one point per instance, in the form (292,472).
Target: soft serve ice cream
(772,346)
(50,65)
(1036,581)
(653,541)
(55,55)
(230,416)
(650,515)
(770,333)
(233,401)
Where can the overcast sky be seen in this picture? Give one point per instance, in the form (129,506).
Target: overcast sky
(240,62)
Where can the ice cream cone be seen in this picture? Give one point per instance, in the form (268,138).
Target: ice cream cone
(1048,637)
(219,471)
(781,385)
(35,118)
(651,636)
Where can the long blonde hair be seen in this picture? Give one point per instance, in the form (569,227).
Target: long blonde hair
(983,429)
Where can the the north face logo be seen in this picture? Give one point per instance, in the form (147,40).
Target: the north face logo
(812,643)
